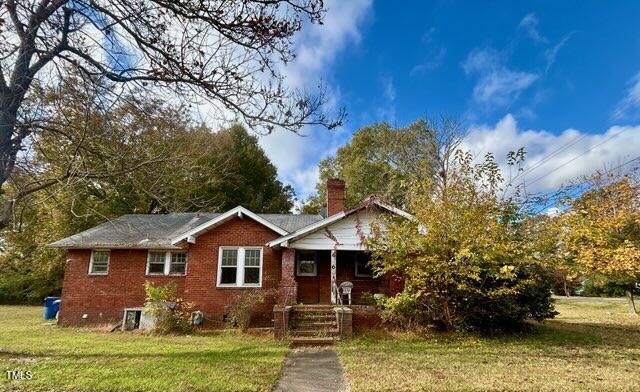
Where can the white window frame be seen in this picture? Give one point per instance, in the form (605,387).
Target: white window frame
(355,269)
(315,264)
(240,267)
(108,251)
(167,262)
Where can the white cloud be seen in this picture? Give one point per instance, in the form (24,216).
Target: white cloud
(557,158)
(629,106)
(551,53)
(434,61)
(530,24)
(497,85)
(317,47)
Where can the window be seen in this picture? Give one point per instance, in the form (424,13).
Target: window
(307,264)
(229,271)
(156,263)
(363,269)
(239,267)
(99,264)
(166,263)
(252,266)
(178,264)
(131,319)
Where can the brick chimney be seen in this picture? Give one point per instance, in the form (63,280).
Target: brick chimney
(335,196)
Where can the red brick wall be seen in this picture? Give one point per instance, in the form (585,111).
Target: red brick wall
(203,268)
(103,298)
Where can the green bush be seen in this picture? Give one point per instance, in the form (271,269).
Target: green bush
(172,314)
(469,259)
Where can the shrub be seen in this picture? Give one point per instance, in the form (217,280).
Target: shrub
(245,306)
(172,314)
(470,260)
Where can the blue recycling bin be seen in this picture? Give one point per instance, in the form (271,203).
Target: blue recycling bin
(51,307)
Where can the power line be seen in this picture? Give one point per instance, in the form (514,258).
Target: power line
(552,202)
(576,157)
(549,156)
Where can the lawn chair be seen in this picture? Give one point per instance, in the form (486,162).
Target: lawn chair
(345,291)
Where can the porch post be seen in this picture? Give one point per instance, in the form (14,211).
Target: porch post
(288,287)
(334,298)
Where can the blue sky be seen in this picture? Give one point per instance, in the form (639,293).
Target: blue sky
(541,75)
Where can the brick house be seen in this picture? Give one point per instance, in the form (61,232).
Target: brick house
(213,257)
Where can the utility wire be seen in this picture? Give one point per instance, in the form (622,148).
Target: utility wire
(543,208)
(549,156)
(576,157)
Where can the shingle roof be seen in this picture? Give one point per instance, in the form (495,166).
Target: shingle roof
(157,231)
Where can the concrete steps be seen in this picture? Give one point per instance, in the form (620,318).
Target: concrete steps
(313,325)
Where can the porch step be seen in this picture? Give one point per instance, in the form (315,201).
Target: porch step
(311,341)
(315,316)
(314,324)
(315,332)
(312,308)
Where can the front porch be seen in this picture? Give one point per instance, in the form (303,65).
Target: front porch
(318,275)
(310,310)
(318,259)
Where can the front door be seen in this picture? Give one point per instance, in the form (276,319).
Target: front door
(313,276)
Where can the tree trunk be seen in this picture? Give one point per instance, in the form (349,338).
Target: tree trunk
(7,156)
(631,302)
(567,292)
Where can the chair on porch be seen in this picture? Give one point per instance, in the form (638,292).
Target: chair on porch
(345,291)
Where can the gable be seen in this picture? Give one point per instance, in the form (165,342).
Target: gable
(238,212)
(355,227)
(348,233)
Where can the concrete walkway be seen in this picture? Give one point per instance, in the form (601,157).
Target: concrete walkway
(311,370)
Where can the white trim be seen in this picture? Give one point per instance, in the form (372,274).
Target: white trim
(240,266)
(307,229)
(315,265)
(91,262)
(238,211)
(166,269)
(287,239)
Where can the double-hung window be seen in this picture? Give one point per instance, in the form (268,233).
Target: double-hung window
(99,264)
(239,267)
(166,263)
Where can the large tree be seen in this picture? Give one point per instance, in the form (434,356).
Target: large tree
(602,230)
(229,54)
(181,167)
(383,160)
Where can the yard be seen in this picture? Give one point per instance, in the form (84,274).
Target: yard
(592,345)
(74,359)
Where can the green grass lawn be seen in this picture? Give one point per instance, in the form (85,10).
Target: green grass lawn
(77,359)
(590,346)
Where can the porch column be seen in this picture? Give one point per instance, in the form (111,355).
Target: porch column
(334,286)
(288,287)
